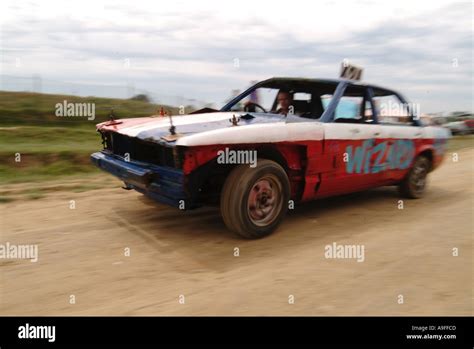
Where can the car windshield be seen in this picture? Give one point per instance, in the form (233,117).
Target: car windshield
(263,97)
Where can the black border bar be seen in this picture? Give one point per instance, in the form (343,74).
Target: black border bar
(313,331)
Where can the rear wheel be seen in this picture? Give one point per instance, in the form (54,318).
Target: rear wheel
(255,200)
(414,184)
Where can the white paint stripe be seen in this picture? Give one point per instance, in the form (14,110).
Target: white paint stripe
(302,131)
(351,131)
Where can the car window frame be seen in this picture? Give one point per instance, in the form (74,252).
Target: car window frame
(330,112)
(414,120)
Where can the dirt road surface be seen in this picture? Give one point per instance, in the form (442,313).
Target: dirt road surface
(408,252)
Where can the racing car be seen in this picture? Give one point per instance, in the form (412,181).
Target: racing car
(281,142)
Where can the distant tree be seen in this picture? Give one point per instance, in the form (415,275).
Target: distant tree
(141,97)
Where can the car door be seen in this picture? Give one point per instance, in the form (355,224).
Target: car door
(399,137)
(350,137)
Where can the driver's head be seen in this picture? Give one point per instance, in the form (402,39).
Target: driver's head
(284,99)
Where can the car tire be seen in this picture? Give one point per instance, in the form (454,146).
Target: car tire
(414,184)
(255,200)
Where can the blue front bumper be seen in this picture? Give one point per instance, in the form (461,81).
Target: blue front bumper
(163,184)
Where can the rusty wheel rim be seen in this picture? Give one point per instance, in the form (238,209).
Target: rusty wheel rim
(264,201)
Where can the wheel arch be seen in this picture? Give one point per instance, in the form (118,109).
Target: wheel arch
(208,179)
(427,152)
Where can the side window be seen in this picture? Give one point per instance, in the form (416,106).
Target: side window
(301,103)
(349,109)
(302,96)
(391,110)
(325,100)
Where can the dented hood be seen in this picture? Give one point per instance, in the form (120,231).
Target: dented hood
(157,128)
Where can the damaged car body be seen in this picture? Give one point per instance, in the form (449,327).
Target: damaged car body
(313,138)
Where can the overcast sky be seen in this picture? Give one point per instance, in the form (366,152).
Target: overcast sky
(204,49)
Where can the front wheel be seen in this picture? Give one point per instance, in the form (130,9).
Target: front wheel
(255,200)
(414,184)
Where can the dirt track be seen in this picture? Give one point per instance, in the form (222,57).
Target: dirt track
(173,253)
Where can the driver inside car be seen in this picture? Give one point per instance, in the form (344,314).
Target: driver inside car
(284,99)
(284,103)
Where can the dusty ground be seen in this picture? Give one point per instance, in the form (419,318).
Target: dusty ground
(81,252)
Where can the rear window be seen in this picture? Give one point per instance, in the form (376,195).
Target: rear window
(391,110)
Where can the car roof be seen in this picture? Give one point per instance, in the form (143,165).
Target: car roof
(380,90)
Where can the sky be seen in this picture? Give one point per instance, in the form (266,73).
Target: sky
(202,50)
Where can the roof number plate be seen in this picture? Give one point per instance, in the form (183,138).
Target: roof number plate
(351,72)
